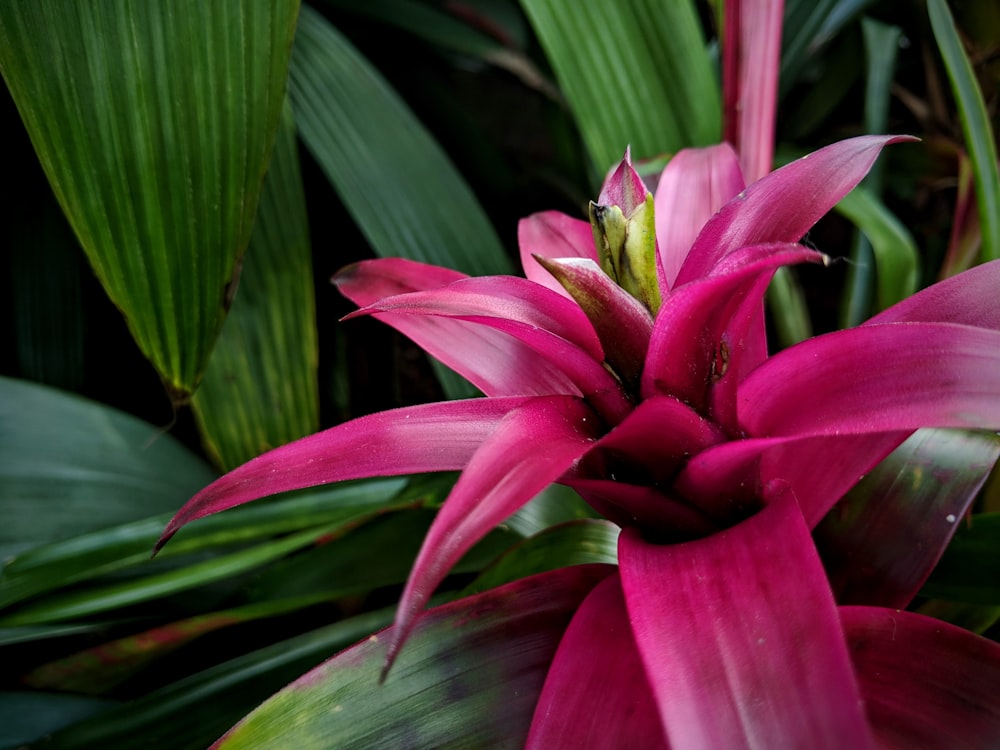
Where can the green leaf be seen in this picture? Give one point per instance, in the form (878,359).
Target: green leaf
(118,548)
(882,541)
(969,571)
(154,123)
(192,712)
(976,125)
(580,542)
(28,716)
(468,676)
(399,186)
(260,388)
(634,73)
(893,247)
(881,45)
(68,466)
(787,304)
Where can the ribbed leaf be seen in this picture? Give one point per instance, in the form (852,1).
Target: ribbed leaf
(68,466)
(260,388)
(154,123)
(975,125)
(468,677)
(634,73)
(399,186)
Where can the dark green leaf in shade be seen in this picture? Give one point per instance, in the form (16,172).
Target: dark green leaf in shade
(892,249)
(976,125)
(25,716)
(399,186)
(469,676)
(881,45)
(634,73)
(580,542)
(969,571)
(882,541)
(260,388)
(68,466)
(154,123)
(977,618)
(192,712)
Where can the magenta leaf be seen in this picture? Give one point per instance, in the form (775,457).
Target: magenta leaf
(967,298)
(925,683)
(881,542)
(596,694)
(740,637)
(470,676)
(878,378)
(783,205)
(416,439)
(552,329)
(553,234)
(371,280)
(751,59)
(506,471)
(699,337)
(695,184)
(621,322)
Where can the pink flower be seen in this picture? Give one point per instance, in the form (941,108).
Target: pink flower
(631,364)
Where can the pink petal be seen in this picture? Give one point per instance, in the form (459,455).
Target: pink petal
(695,184)
(552,328)
(506,298)
(878,378)
(740,637)
(553,234)
(530,448)
(751,54)
(783,205)
(371,280)
(700,335)
(926,684)
(968,298)
(596,694)
(621,322)
(623,187)
(429,437)
(492,360)
(725,480)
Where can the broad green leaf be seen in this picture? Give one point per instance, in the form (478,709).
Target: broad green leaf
(634,73)
(192,712)
(969,571)
(68,466)
(880,544)
(154,123)
(893,248)
(399,186)
(787,303)
(976,125)
(260,388)
(469,676)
